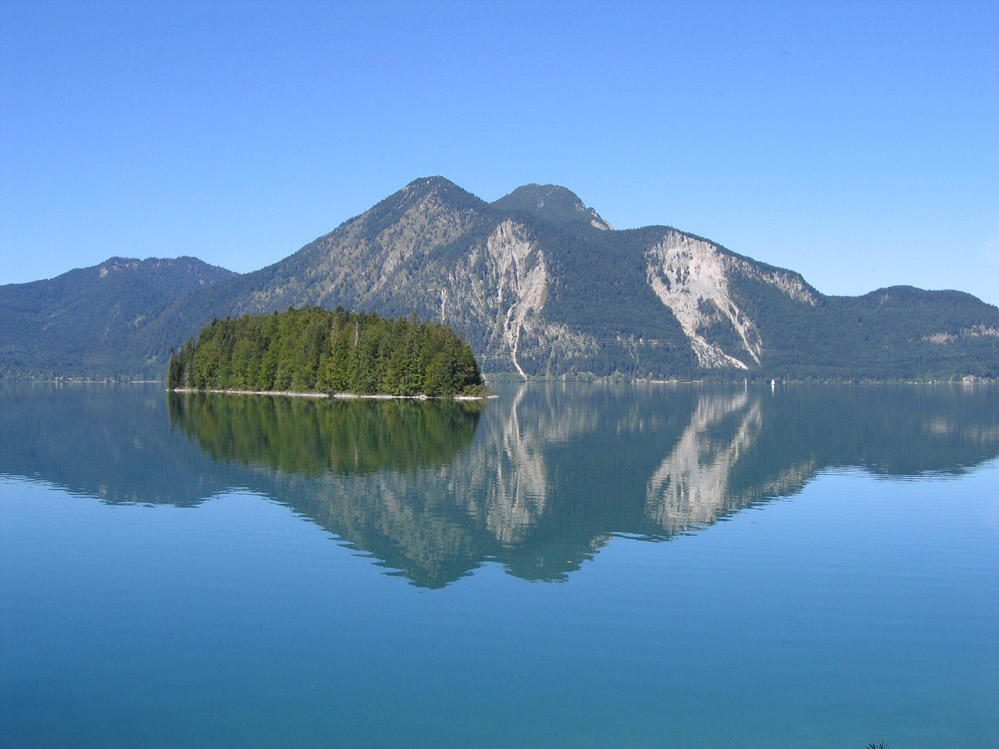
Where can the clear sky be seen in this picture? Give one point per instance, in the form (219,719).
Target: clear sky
(855,142)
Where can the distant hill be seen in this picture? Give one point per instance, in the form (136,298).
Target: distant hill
(79,324)
(542,286)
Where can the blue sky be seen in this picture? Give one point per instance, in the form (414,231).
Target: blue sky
(857,143)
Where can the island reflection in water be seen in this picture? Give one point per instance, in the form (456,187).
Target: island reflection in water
(306,435)
(538,481)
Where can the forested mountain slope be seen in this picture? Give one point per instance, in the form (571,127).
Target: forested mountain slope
(79,324)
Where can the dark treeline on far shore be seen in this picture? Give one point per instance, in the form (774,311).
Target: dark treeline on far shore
(316,350)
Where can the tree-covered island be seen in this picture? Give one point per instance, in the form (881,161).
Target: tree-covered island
(314,350)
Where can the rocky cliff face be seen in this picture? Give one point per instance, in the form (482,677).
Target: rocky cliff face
(513,287)
(691,277)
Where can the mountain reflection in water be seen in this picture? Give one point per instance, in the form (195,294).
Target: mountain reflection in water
(538,480)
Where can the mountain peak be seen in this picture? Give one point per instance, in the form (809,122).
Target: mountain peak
(554,203)
(431,183)
(426,193)
(435,188)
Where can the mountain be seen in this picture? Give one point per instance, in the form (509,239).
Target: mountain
(541,285)
(78,324)
(533,296)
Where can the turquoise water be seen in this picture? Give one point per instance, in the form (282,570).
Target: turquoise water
(569,566)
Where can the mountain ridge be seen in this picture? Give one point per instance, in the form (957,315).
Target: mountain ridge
(542,286)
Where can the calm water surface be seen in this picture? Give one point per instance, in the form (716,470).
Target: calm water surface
(567,566)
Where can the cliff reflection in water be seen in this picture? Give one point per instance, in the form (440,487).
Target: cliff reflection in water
(538,481)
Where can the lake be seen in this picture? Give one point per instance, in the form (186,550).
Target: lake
(569,565)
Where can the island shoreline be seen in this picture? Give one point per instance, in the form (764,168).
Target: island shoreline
(338,396)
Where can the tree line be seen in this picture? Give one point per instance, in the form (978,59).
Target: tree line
(318,350)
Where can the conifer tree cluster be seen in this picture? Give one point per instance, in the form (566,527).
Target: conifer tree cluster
(316,350)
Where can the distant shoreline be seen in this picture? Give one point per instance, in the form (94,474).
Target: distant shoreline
(340,396)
